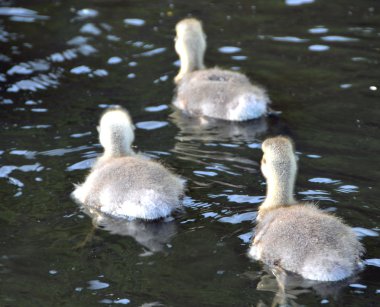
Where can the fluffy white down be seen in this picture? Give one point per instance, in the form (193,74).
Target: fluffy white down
(79,194)
(143,204)
(249,106)
(254,252)
(326,269)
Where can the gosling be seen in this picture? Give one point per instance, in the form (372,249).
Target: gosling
(212,92)
(123,184)
(299,237)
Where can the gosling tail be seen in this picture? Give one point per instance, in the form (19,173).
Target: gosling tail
(328,269)
(248,106)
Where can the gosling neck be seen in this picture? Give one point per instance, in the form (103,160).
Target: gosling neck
(280,192)
(191,60)
(117,152)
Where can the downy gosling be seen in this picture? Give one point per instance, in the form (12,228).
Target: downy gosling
(123,184)
(212,92)
(299,237)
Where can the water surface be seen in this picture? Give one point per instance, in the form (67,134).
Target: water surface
(64,62)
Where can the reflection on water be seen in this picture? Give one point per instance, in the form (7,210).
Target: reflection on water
(287,287)
(63,62)
(155,236)
(210,129)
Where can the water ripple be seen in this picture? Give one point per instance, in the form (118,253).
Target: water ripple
(152,52)
(241,199)
(85,164)
(87,13)
(348,189)
(62,151)
(134,22)
(83,69)
(114,60)
(229,49)
(97,285)
(79,135)
(36,127)
(246,237)
(21,14)
(318,48)
(239,217)
(373,262)
(289,39)
(205,173)
(157,108)
(39,110)
(239,57)
(26,153)
(323,180)
(151,125)
(336,38)
(318,30)
(77,41)
(298,2)
(316,195)
(364,232)
(90,28)
(123,301)
(32,102)
(39,82)
(6,170)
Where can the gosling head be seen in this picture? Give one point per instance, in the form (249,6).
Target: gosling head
(279,167)
(279,159)
(116,132)
(190,45)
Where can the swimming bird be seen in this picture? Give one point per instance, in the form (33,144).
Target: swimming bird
(212,92)
(295,236)
(123,184)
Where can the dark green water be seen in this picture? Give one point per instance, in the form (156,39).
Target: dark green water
(320,63)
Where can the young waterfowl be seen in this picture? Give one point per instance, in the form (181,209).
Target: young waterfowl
(123,184)
(299,237)
(212,92)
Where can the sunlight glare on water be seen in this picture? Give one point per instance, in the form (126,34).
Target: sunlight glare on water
(64,62)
